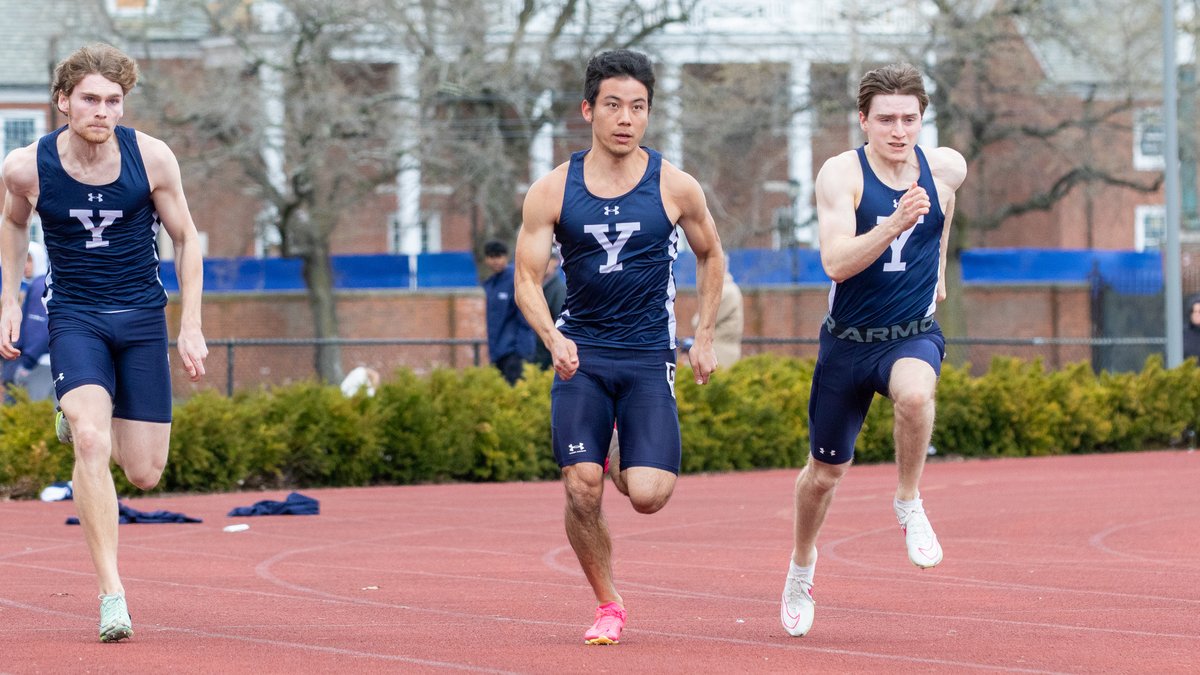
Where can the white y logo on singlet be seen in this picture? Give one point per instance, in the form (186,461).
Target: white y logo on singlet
(612,248)
(107,218)
(896,264)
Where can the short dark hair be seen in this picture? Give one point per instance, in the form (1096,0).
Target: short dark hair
(896,78)
(618,63)
(495,248)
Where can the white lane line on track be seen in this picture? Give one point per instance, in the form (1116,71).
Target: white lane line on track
(264,570)
(304,646)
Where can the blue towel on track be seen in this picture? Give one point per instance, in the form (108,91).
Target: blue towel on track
(127,514)
(296,504)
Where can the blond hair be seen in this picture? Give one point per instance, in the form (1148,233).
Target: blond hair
(95,59)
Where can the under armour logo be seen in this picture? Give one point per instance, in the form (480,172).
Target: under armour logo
(895,203)
(573,449)
(831,452)
(59,378)
(95,197)
(614,210)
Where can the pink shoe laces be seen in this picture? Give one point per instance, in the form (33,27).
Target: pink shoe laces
(610,619)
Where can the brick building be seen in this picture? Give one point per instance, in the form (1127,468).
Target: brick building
(789,66)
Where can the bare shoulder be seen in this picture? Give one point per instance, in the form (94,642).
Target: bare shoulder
(20,170)
(545,196)
(161,166)
(948,166)
(678,182)
(682,196)
(840,173)
(152,145)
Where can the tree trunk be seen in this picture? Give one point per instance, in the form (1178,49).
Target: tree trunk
(318,277)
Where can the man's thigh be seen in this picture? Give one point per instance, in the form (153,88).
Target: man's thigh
(647,414)
(140,445)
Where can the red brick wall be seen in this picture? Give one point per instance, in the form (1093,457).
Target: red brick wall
(993,311)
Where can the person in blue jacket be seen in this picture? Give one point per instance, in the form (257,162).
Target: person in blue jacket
(31,369)
(510,339)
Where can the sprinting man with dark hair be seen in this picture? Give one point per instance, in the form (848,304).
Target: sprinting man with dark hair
(616,210)
(102,192)
(884,213)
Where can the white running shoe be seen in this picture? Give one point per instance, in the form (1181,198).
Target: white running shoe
(114,619)
(923,548)
(797,608)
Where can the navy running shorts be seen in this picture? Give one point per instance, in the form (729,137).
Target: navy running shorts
(635,388)
(847,377)
(124,352)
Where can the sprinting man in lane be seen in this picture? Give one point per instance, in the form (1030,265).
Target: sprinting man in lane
(102,192)
(884,213)
(616,210)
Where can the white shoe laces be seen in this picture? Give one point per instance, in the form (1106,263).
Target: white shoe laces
(916,524)
(798,588)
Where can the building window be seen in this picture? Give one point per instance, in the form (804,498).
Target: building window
(424,237)
(1150,228)
(20,128)
(131,7)
(1149,140)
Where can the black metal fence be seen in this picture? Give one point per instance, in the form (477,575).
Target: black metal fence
(236,363)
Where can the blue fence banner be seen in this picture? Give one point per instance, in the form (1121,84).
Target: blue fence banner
(1127,271)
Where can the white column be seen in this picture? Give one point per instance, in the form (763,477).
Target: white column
(541,149)
(670,98)
(929,131)
(800,159)
(266,229)
(406,236)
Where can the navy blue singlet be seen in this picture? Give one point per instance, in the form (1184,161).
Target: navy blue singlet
(901,285)
(101,239)
(617,257)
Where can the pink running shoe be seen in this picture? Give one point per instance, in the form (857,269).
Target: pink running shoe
(610,619)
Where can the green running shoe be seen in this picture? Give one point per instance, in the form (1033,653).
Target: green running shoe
(62,427)
(114,619)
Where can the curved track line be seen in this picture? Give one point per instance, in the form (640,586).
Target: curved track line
(937,578)
(1097,541)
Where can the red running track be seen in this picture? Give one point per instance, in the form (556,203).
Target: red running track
(1080,564)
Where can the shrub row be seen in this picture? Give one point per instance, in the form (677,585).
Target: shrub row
(469,425)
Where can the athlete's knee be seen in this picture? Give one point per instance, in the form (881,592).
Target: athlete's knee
(145,475)
(649,502)
(584,485)
(93,447)
(649,489)
(821,477)
(914,401)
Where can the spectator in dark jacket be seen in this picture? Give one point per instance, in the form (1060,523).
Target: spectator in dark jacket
(510,339)
(31,369)
(1191,328)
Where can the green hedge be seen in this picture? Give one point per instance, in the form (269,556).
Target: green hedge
(469,425)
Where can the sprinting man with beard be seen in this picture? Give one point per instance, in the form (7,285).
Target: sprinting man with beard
(102,192)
